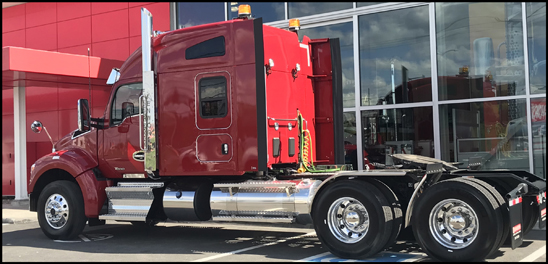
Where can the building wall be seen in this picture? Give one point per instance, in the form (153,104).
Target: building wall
(109,30)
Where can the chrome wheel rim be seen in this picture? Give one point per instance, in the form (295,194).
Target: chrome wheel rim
(348,220)
(454,223)
(56,211)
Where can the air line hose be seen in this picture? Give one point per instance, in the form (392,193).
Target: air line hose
(305,143)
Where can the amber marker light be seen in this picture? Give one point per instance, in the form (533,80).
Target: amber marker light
(294,24)
(244,11)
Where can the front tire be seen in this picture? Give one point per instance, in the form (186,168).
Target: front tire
(352,218)
(61,212)
(456,220)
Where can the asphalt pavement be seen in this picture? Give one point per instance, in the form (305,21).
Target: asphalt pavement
(22,240)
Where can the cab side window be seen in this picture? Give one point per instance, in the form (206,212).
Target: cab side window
(210,48)
(125,102)
(213,100)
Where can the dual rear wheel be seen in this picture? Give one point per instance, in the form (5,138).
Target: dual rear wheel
(453,220)
(354,219)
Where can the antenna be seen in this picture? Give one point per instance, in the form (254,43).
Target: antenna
(89,81)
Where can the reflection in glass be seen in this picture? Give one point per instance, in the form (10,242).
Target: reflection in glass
(360,4)
(496,131)
(538,121)
(536,44)
(342,31)
(269,11)
(407,131)
(395,57)
(299,9)
(349,125)
(192,13)
(480,50)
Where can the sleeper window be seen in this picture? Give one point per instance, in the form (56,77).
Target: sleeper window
(213,99)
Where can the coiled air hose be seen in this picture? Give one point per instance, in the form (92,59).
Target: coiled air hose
(305,143)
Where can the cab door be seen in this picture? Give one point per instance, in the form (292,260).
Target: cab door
(121,151)
(213,117)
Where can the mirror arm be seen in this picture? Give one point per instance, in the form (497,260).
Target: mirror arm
(52,144)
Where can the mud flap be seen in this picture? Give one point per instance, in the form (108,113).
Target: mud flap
(541,201)
(514,199)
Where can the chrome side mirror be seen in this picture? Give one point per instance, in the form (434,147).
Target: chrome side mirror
(36,126)
(84,118)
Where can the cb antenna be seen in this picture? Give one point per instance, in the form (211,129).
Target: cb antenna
(89,81)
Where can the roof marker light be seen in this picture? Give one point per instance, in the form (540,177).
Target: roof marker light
(244,11)
(294,24)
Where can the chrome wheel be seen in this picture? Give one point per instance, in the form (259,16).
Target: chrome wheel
(348,220)
(453,223)
(56,211)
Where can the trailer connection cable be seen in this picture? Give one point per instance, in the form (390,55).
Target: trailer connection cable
(305,143)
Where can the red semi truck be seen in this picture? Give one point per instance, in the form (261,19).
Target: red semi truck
(239,121)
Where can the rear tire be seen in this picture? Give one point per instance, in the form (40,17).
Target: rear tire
(397,213)
(351,219)
(457,220)
(61,213)
(503,208)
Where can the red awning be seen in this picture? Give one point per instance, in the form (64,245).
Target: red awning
(30,67)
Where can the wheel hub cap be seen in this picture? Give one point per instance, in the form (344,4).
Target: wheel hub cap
(56,211)
(453,223)
(348,220)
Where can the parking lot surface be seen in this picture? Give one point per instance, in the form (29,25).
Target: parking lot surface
(211,242)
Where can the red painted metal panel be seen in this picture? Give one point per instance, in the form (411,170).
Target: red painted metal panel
(74,32)
(97,8)
(173,48)
(113,49)
(72,10)
(160,14)
(8,158)
(109,26)
(7,102)
(134,43)
(42,37)
(41,99)
(286,94)
(134,4)
(13,18)
(93,192)
(70,98)
(50,120)
(209,147)
(40,13)
(14,38)
(69,122)
(57,64)
(323,98)
(77,50)
(245,116)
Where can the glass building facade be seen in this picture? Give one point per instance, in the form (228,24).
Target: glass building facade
(444,80)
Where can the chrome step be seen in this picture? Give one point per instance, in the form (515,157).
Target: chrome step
(130,201)
(253,219)
(124,217)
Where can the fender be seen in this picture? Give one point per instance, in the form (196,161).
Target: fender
(79,164)
(93,192)
(350,175)
(75,161)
